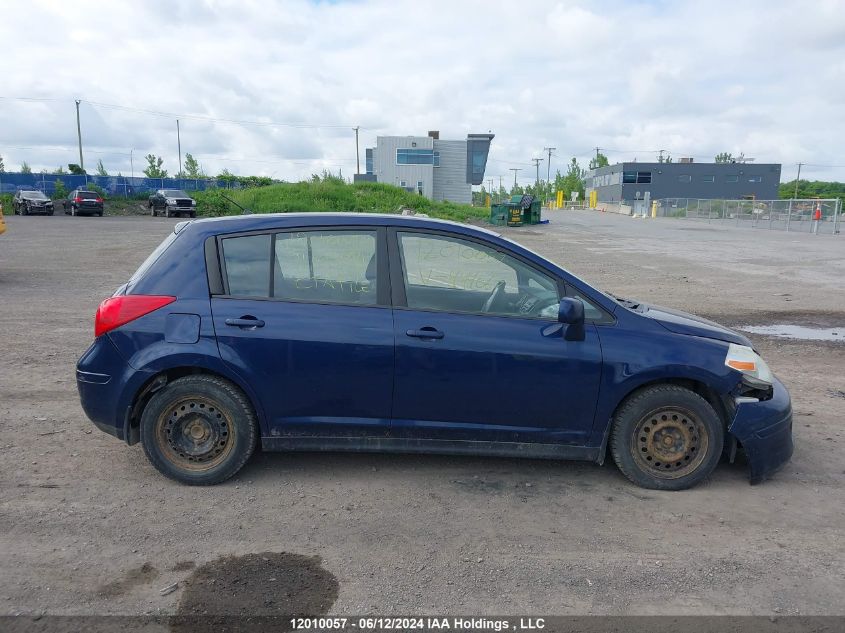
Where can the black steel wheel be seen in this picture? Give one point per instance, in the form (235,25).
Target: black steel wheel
(666,437)
(199,430)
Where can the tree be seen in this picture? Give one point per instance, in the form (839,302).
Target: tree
(192,167)
(101,170)
(153,168)
(2,166)
(60,191)
(724,157)
(599,161)
(25,168)
(60,170)
(667,159)
(574,179)
(76,170)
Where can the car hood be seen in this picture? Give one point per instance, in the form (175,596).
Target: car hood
(685,323)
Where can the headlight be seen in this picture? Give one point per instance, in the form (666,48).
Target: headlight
(193,203)
(748,362)
(170,201)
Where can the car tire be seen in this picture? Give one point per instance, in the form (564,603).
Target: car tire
(199,430)
(193,214)
(50,212)
(167,212)
(666,437)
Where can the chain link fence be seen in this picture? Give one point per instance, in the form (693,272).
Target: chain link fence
(809,215)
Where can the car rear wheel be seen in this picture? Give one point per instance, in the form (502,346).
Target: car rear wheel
(666,437)
(199,430)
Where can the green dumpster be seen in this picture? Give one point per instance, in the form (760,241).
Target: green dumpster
(532,214)
(499,214)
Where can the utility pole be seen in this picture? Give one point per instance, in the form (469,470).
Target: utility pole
(598,149)
(79,136)
(549,168)
(179,146)
(357,155)
(537,162)
(131,163)
(549,164)
(797,180)
(514,170)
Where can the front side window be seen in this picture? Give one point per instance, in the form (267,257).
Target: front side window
(455,275)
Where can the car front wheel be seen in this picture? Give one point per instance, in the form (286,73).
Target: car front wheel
(199,430)
(666,437)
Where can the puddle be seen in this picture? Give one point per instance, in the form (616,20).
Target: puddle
(798,332)
(255,593)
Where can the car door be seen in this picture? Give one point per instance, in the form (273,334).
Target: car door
(304,317)
(479,354)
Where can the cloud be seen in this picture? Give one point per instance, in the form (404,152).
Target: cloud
(693,78)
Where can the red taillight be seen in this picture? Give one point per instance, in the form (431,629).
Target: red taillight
(99,200)
(117,311)
(77,199)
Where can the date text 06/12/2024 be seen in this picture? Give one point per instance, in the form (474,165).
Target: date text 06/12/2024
(416,623)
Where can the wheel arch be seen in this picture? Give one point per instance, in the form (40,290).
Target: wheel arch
(132,423)
(696,385)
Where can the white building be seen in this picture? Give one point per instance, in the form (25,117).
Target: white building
(435,168)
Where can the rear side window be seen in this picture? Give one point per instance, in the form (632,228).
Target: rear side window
(153,257)
(312,266)
(326,266)
(247,261)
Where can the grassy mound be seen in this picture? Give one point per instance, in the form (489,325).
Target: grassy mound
(330,194)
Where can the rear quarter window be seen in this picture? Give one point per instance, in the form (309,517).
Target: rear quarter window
(247,263)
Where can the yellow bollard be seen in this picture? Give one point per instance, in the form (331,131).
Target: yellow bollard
(654,208)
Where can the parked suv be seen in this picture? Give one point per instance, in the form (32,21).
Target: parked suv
(172,202)
(27,202)
(82,202)
(344,332)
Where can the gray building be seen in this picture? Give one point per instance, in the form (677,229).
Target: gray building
(435,168)
(626,182)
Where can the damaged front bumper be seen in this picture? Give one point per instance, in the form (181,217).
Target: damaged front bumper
(764,429)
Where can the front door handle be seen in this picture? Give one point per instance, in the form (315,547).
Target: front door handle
(245,322)
(425,332)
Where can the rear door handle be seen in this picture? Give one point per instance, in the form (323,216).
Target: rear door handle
(245,322)
(425,332)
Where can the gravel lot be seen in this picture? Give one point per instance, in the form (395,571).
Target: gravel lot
(88,527)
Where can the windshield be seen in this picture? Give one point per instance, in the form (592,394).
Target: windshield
(175,193)
(33,195)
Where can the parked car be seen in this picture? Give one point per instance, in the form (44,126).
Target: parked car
(28,202)
(172,202)
(82,202)
(344,332)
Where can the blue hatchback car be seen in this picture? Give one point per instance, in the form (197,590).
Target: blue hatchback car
(345,332)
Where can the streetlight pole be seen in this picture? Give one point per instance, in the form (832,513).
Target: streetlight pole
(79,136)
(357,154)
(179,146)
(797,180)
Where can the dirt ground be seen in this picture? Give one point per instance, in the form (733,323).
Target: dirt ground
(87,526)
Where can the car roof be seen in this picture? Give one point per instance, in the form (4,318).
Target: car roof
(260,221)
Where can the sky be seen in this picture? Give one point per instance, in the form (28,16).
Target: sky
(275,89)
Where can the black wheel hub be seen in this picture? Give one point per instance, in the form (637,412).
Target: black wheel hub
(196,431)
(669,443)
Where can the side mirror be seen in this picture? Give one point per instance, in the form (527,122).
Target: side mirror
(571,311)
